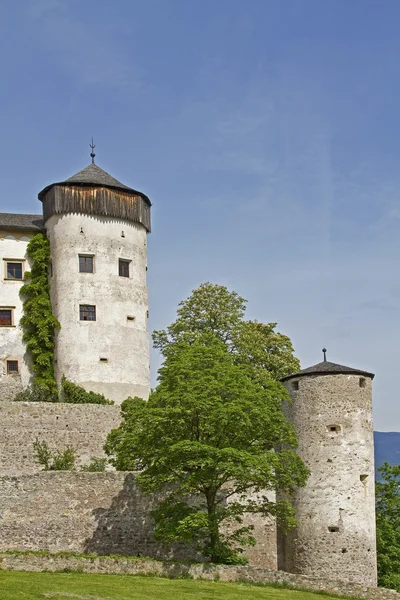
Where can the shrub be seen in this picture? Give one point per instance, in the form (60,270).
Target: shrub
(96,465)
(36,393)
(61,460)
(75,394)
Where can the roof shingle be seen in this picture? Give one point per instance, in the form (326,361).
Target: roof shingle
(328,368)
(21,221)
(94,175)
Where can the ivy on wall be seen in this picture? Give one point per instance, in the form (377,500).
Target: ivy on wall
(38,321)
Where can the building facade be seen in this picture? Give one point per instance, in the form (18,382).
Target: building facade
(97,229)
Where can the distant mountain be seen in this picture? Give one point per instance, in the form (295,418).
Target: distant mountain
(387,448)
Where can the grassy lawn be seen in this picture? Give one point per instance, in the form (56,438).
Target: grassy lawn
(18,585)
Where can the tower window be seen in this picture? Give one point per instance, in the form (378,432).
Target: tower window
(14,270)
(85,263)
(6,317)
(87,312)
(12,367)
(333,529)
(123,266)
(333,428)
(362,382)
(295,385)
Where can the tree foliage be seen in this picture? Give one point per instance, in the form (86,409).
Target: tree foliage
(38,321)
(214,309)
(388,526)
(210,432)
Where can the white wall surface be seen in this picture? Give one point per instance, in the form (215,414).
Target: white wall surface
(81,344)
(12,246)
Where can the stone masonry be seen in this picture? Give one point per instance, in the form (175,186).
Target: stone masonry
(101,513)
(84,426)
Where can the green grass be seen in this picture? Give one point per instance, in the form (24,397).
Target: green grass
(18,585)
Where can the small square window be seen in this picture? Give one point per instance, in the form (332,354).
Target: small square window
(85,264)
(6,317)
(123,268)
(14,270)
(87,312)
(12,367)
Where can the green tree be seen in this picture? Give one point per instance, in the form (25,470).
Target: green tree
(388,526)
(213,308)
(208,438)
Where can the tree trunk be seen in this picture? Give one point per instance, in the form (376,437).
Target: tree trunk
(213,528)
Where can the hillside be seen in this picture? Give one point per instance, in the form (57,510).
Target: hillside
(17,585)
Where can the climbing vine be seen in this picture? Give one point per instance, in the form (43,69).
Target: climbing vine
(38,321)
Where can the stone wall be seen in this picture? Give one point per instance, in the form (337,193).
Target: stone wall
(84,426)
(101,513)
(36,563)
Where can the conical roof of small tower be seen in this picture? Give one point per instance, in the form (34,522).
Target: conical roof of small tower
(93,175)
(329,368)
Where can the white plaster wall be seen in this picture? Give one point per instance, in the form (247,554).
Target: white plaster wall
(334,495)
(12,245)
(81,344)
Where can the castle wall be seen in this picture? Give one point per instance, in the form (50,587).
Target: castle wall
(84,426)
(79,511)
(335,536)
(119,335)
(13,245)
(102,513)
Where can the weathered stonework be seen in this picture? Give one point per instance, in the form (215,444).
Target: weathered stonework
(101,513)
(84,426)
(335,536)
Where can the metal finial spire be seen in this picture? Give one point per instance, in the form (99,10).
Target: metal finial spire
(324,351)
(92,154)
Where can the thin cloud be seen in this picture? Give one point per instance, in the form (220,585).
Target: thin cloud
(86,51)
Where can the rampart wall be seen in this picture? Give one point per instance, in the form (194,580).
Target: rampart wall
(84,426)
(101,513)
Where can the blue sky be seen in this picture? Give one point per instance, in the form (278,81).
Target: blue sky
(266,134)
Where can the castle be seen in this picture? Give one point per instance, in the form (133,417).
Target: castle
(97,229)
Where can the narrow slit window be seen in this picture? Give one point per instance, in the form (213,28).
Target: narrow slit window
(362,382)
(14,270)
(295,385)
(87,312)
(12,367)
(123,268)
(85,264)
(334,428)
(6,317)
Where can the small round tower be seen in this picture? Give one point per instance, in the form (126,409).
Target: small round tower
(331,411)
(97,229)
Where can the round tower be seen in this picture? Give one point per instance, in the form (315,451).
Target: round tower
(331,411)
(97,229)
